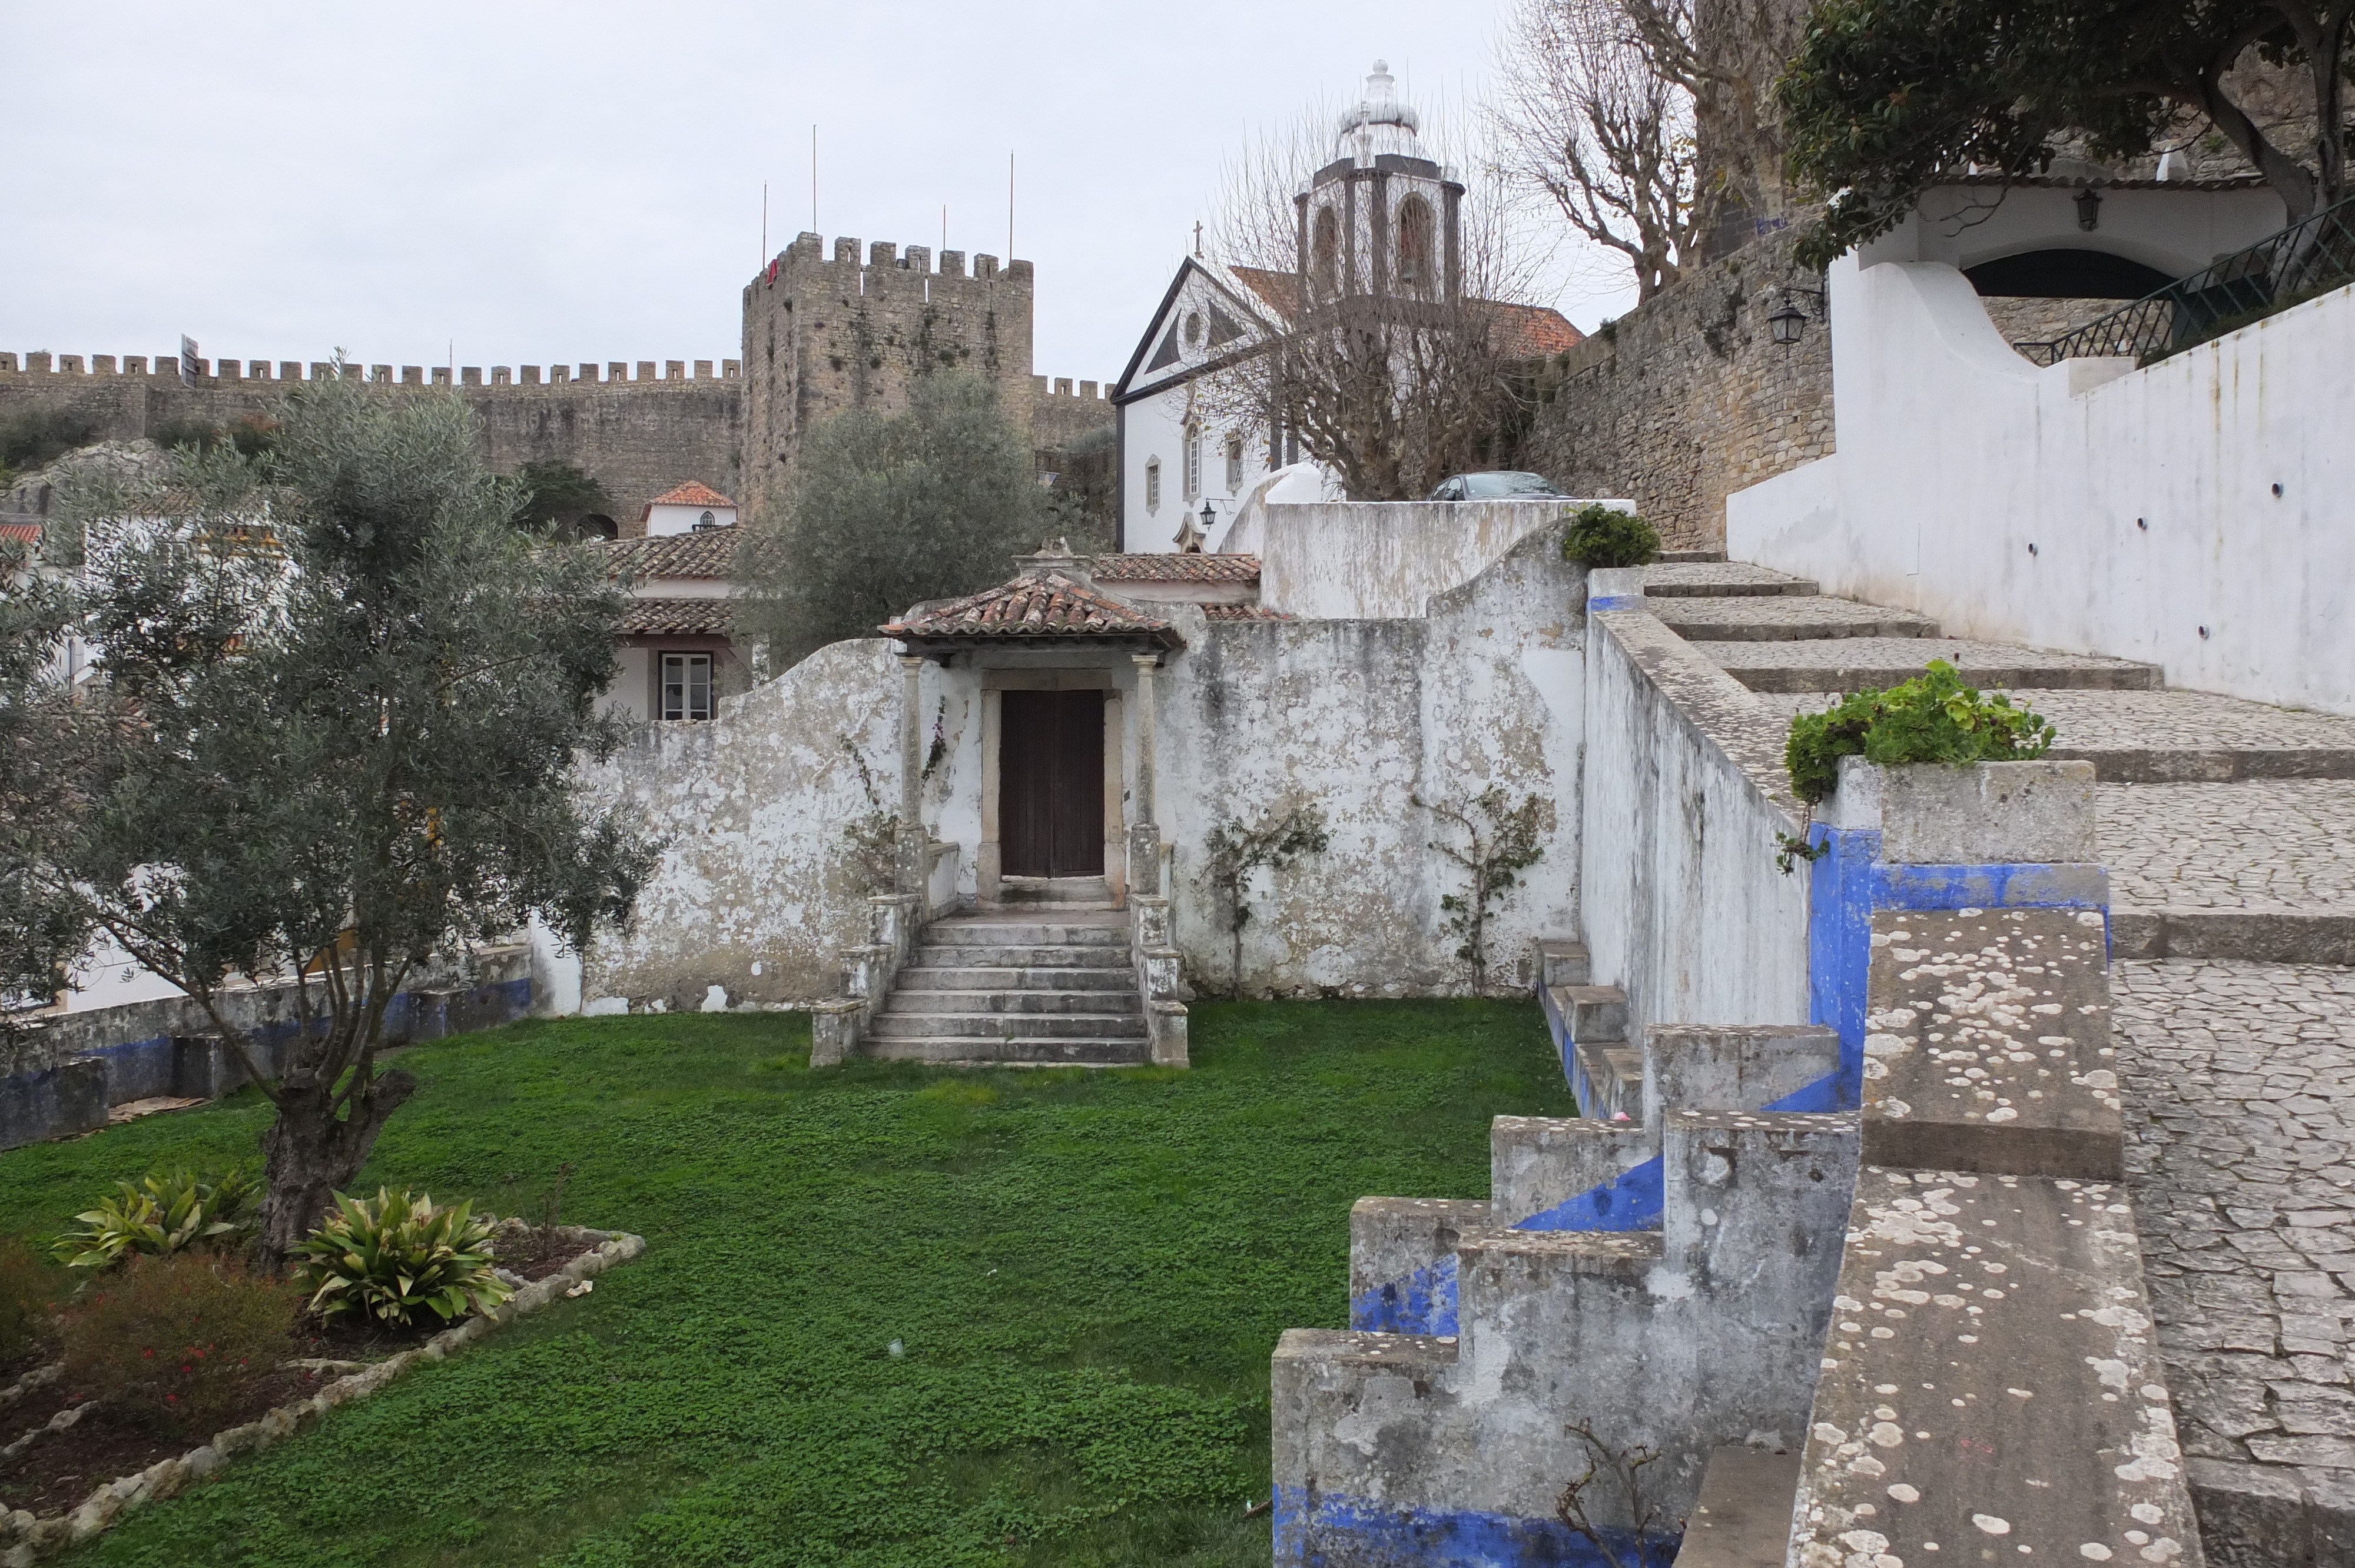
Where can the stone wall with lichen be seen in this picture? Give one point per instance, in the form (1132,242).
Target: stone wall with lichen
(1687,398)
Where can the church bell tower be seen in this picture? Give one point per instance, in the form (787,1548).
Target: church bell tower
(1381,220)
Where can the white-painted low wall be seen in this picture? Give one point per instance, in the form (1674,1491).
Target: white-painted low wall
(1683,905)
(1377,560)
(2199,514)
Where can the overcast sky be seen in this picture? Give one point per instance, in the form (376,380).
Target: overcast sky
(553,184)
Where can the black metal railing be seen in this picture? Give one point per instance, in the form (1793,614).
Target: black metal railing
(2309,258)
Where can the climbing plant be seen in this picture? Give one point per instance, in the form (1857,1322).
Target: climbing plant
(1280,837)
(872,837)
(1501,839)
(1932,718)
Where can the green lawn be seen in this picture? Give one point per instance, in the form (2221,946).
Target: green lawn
(1087,1272)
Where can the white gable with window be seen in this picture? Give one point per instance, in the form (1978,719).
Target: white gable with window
(1174,458)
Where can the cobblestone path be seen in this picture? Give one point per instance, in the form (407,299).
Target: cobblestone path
(2285,844)
(2240,1091)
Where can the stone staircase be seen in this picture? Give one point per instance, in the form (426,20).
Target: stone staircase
(1046,986)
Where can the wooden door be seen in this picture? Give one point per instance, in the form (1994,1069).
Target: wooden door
(1051,773)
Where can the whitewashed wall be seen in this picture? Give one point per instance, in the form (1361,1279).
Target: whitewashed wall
(1153,427)
(1378,559)
(1361,717)
(2199,514)
(1683,905)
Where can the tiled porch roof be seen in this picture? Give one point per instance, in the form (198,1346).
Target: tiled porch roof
(711,553)
(1046,606)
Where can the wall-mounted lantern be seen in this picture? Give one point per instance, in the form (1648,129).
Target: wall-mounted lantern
(2089,208)
(1789,324)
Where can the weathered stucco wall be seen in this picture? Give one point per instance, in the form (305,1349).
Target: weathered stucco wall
(1375,560)
(760,886)
(1361,718)
(1684,907)
(1356,716)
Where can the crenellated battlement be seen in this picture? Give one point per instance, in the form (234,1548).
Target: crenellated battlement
(234,372)
(884,260)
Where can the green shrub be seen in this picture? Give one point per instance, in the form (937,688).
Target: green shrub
(30,1289)
(177,1343)
(162,1215)
(1604,535)
(39,435)
(393,1257)
(1932,718)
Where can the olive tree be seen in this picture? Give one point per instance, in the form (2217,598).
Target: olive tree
(333,738)
(885,510)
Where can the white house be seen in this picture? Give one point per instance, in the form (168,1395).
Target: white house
(692,506)
(675,653)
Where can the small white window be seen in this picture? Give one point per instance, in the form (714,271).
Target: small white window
(686,686)
(1152,484)
(1234,464)
(1193,462)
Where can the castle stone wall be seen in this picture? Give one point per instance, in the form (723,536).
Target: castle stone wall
(826,335)
(1687,398)
(1060,417)
(640,435)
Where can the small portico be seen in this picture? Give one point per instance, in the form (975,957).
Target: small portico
(1063,673)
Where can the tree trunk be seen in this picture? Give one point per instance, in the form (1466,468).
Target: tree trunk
(310,1152)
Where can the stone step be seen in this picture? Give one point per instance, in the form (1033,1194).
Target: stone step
(1101,956)
(1542,1165)
(1562,961)
(1743,1517)
(1054,892)
(986,933)
(1608,1079)
(1402,1262)
(1026,1051)
(2254,933)
(1870,663)
(1588,1012)
(919,1001)
(1735,1067)
(1786,619)
(1990,1383)
(1120,976)
(1721,579)
(1006,1026)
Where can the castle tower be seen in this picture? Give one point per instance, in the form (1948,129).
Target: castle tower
(1381,220)
(825,335)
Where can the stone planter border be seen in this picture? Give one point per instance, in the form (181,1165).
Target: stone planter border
(26,1539)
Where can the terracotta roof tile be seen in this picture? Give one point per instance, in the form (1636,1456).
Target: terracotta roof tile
(1172,567)
(1528,332)
(707,553)
(694,493)
(676,617)
(1047,604)
(1241,612)
(21,532)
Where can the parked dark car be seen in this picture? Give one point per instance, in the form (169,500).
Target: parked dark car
(1505,486)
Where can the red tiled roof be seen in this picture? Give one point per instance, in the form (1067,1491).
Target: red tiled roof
(1049,603)
(694,493)
(1533,332)
(1172,567)
(707,553)
(1525,332)
(21,532)
(1241,612)
(676,617)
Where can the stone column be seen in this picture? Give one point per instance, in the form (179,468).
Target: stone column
(909,862)
(1144,832)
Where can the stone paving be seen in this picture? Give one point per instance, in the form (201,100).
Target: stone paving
(1786,618)
(1673,580)
(2239,1082)
(2139,721)
(1855,663)
(2269,843)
